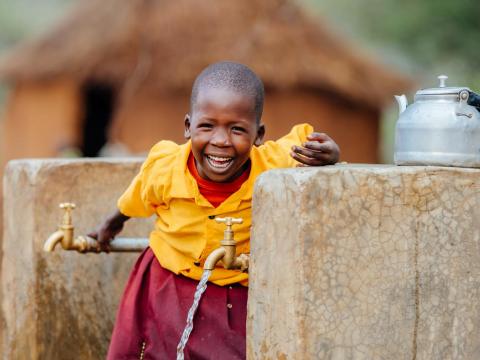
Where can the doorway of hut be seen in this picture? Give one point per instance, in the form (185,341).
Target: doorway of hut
(99,103)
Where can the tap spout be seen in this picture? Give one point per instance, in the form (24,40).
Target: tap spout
(226,255)
(214,257)
(53,240)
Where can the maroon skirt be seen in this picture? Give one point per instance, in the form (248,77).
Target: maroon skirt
(153,314)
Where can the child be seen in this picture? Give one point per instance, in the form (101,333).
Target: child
(187,186)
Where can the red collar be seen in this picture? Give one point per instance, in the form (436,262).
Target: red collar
(216,192)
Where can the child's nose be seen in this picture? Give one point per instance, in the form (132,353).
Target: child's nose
(220,138)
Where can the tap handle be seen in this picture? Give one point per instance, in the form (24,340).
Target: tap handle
(68,206)
(67,216)
(229,221)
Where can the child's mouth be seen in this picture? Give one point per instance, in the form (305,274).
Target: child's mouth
(219,162)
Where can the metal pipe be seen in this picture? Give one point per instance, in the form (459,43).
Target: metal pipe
(87,244)
(83,244)
(128,244)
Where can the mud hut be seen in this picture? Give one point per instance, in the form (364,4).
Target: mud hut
(119,72)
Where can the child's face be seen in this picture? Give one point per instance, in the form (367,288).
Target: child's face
(223,128)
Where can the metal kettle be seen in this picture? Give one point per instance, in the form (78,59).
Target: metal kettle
(441,127)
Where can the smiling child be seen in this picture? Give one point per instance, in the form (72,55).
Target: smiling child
(186,186)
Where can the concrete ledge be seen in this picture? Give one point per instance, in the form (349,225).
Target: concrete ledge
(61,305)
(365,262)
(348,262)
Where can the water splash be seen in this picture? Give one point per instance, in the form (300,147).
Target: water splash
(201,287)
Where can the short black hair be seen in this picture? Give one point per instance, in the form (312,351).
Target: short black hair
(232,76)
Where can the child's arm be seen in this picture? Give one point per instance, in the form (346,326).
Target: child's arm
(110,228)
(319,150)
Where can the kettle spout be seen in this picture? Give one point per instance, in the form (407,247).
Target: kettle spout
(402,103)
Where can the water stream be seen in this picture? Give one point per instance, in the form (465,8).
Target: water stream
(201,287)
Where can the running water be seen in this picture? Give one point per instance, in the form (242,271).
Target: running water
(201,287)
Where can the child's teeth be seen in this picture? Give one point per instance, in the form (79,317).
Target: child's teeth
(217,161)
(216,158)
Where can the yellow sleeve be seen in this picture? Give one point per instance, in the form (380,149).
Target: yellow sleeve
(134,202)
(276,154)
(296,136)
(140,199)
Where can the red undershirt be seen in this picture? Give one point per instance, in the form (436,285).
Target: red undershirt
(216,192)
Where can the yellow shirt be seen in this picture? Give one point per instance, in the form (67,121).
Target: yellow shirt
(185,230)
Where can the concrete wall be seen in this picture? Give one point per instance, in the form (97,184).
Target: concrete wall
(348,262)
(61,305)
(352,262)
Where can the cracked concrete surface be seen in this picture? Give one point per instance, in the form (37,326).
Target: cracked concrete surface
(365,262)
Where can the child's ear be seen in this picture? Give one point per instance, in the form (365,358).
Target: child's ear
(187,127)
(260,135)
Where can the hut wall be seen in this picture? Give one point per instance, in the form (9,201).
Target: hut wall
(40,119)
(147,118)
(354,128)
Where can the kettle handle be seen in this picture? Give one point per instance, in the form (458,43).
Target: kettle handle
(474,100)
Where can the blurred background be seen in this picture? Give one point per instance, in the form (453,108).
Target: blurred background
(111,77)
(423,39)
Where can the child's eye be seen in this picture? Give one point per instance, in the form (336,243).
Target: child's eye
(205,125)
(239,129)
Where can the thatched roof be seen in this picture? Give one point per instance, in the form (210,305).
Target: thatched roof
(165,43)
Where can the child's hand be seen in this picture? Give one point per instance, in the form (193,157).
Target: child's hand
(319,150)
(110,228)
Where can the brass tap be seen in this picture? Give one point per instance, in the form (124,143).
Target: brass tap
(64,234)
(83,244)
(227,252)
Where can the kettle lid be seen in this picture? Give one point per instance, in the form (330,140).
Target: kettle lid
(442,89)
